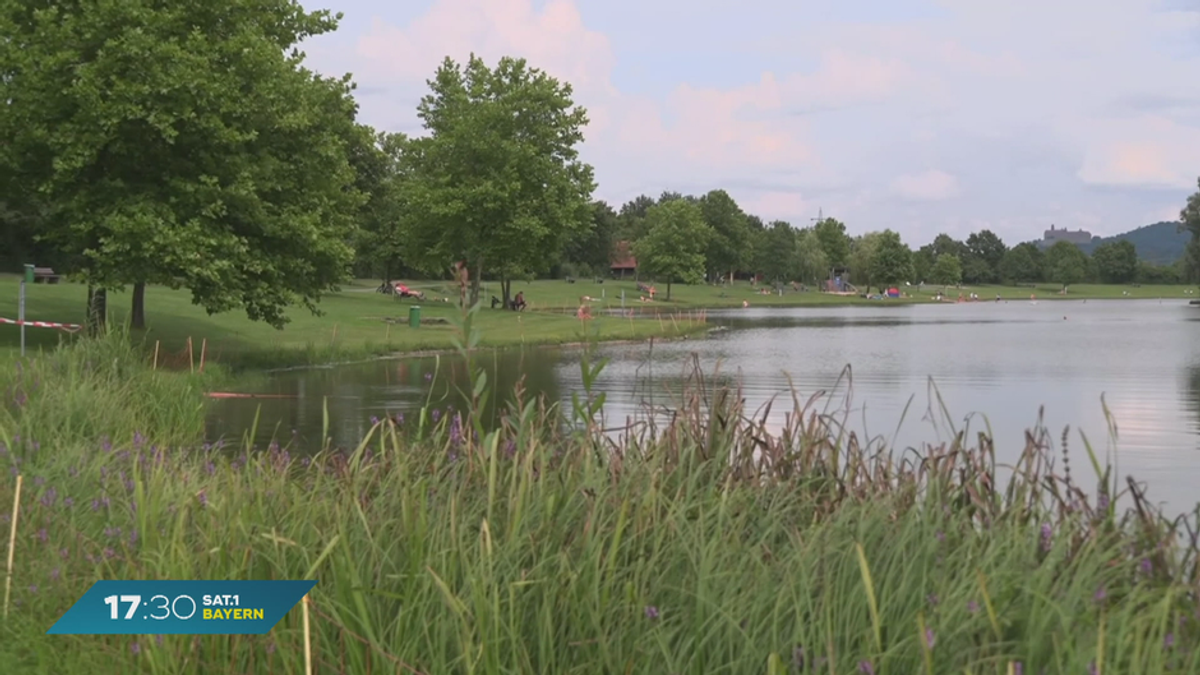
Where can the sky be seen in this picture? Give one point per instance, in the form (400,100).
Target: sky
(922,116)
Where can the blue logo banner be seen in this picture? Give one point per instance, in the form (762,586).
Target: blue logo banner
(178,607)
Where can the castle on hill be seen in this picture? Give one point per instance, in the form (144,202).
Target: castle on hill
(1052,236)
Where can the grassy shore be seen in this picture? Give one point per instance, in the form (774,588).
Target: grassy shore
(686,548)
(360,323)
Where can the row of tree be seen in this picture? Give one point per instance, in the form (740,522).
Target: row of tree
(710,237)
(186,144)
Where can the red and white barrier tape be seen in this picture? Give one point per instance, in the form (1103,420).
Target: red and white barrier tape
(68,327)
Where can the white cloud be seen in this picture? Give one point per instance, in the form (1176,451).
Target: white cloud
(931,185)
(1030,111)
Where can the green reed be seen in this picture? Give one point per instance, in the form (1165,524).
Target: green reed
(694,542)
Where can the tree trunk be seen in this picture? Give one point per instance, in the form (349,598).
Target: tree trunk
(97,310)
(668,290)
(506,292)
(137,315)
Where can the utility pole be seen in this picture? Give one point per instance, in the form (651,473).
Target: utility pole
(820,216)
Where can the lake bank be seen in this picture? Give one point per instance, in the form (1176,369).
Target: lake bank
(361,324)
(679,548)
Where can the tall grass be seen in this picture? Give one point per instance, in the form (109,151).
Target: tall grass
(701,543)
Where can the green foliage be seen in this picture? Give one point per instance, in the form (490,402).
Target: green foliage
(674,245)
(539,548)
(777,251)
(181,144)
(497,183)
(1161,243)
(1116,262)
(985,252)
(834,241)
(947,271)
(891,260)
(812,265)
(729,245)
(591,247)
(1024,263)
(1066,264)
(378,161)
(862,254)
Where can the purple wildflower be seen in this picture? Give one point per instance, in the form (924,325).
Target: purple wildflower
(456,435)
(64,553)
(866,668)
(158,640)
(1146,566)
(203,498)
(932,599)
(136,648)
(95,504)
(1018,668)
(930,638)
(1092,670)
(112,532)
(106,445)
(54,574)
(1101,594)
(940,536)
(49,497)
(138,439)
(33,588)
(1047,535)
(374,420)
(133,537)
(210,468)
(510,447)
(399,419)
(68,502)
(109,553)
(651,612)
(1168,640)
(972,606)
(436,415)
(43,536)
(270,646)
(428,377)
(39,481)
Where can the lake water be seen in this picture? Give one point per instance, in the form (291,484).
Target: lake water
(1002,360)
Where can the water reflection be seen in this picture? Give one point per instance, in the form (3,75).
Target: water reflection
(1004,360)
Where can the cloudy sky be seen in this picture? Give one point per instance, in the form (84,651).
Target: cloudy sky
(924,116)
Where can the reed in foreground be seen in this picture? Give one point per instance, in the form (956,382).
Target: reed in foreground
(694,540)
(688,546)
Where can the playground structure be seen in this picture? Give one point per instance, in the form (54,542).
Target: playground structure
(839,282)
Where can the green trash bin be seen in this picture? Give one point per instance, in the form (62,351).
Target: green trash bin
(29,274)
(414,316)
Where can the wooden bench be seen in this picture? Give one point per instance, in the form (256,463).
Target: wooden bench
(44,275)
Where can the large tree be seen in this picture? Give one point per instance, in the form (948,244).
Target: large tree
(1189,219)
(378,161)
(834,241)
(1024,263)
(776,251)
(811,263)
(593,245)
(985,251)
(730,247)
(497,183)
(947,270)
(1116,261)
(1066,264)
(183,144)
(862,252)
(891,260)
(674,245)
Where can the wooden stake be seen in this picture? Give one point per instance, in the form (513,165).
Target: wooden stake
(191,355)
(307,638)
(203,351)
(156,355)
(12,543)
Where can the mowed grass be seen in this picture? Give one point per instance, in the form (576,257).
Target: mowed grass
(358,323)
(686,548)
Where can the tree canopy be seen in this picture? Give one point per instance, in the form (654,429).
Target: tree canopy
(675,241)
(497,182)
(181,144)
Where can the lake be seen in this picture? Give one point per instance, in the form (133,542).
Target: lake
(1002,360)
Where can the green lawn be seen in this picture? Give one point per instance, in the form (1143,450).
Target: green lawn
(356,320)
(355,324)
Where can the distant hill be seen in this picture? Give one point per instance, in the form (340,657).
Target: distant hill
(1160,243)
